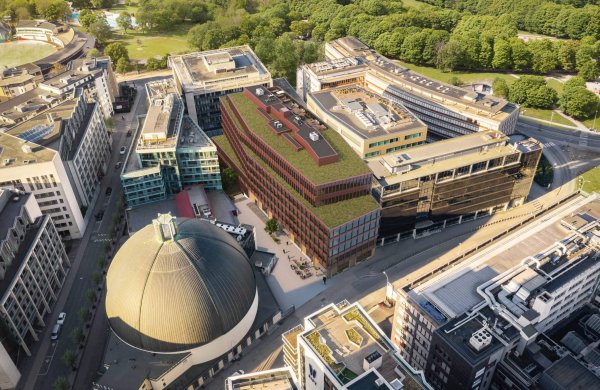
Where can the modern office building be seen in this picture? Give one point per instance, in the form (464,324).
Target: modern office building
(275,379)
(459,322)
(202,78)
(433,185)
(171,151)
(369,123)
(448,111)
(182,301)
(302,174)
(340,347)
(60,156)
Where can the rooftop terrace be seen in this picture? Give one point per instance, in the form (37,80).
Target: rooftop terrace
(16,152)
(350,344)
(348,164)
(365,113)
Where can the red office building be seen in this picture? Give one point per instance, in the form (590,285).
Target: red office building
(302,174)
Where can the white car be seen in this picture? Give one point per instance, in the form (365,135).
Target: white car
(61,318)
(239,372)
(122,151)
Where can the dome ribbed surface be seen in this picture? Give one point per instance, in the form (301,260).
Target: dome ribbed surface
(178,294)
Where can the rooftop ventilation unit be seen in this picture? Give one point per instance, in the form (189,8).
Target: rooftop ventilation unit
(314,136)
(26,148)
(379,382)
(480,339)
(259,92)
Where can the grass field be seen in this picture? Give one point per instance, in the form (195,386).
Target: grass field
(414,4)
(590,180)
(23,52)
(145,45)
(589,123)
(546,115)
(466,77)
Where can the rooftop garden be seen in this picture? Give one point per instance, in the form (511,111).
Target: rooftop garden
(346,375)
(332,215)
(223,144)
(348,165)
(356,315)
(354,337)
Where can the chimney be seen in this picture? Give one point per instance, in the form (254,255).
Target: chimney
(165,227)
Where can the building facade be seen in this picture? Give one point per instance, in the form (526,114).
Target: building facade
(370,124)
(448,111)
(441,183)
(301,174)
(33,270)
(39,30)
(171,151)
(482,322)
(202,78)
(340,347)
(17,81)
(39,170)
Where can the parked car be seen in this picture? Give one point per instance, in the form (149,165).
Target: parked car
(61,318)
(129,133)
(55,332)
(118,165)
(100,215)
(239,372)
(108,191)
(122,151)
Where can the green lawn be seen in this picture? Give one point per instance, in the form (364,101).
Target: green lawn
(591,180)
(132,9)
(414,4)
(557,85)
(22,52)
(145,45)
(467,77)
(589,123)
(546,115)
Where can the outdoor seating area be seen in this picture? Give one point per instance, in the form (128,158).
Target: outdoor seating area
(303,268)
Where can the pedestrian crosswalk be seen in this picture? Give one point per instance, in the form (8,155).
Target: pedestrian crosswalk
(583,138)
(549,144)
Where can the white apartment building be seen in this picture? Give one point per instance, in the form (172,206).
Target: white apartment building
(29,167)
(34,266)
(202,78)
(340,347)
(448,111)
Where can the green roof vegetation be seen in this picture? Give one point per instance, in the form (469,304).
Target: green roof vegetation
(590,180)
(346,375)
(354,314)
(223,143)
(348,165)
(332,215)
(315,340)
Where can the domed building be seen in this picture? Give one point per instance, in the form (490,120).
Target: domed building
(181,289)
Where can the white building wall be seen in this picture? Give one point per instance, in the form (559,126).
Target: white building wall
(9,373)
(50,184)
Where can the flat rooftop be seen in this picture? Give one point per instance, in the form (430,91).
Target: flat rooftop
(29,104)
(402,78)
(209,69)
(334,327)
(454,292)
(276,379)
(366,114)
(445,155)
(329,142)
(16,152)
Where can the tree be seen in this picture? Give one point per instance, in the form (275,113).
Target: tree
(286,58)
(56,10)
(543,56)
(77,335)
(532,91)
(271,226)
(86,18)
(229,179)
(521,56)
(124,21)
(83,314)
(456,81)
(93,52)
(500,87)
(588,70)
(449,56)
(97,277)
(69,358)
(100,30)
(90,295)
(301,28)
(123,65)
(577,101)
(61,383)
(502,55)
(116,51)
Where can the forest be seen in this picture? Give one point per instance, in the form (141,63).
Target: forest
(497,35)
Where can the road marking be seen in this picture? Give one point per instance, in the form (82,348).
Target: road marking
(583,138)
(549,144)
(48,359)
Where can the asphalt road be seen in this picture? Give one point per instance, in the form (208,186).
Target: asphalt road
(48,363)
(582,139)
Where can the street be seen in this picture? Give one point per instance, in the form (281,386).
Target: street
(46,364)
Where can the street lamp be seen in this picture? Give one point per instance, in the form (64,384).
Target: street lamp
(389,290)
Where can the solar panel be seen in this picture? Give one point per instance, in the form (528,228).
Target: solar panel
(36,133)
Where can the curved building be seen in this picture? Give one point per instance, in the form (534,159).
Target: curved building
(181,285)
